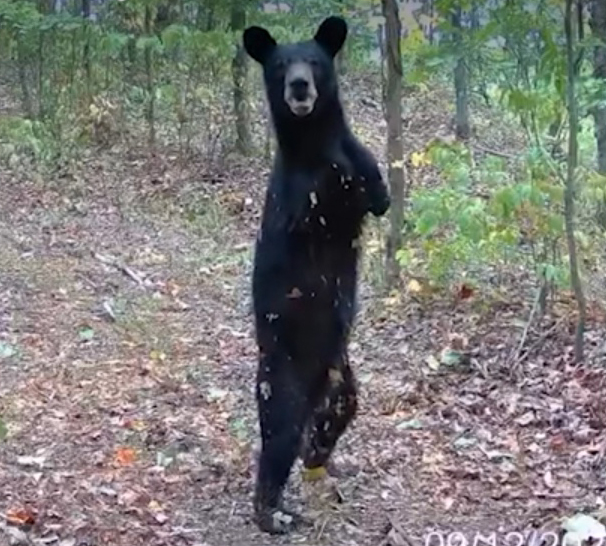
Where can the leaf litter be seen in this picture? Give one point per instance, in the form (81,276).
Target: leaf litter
(127,362)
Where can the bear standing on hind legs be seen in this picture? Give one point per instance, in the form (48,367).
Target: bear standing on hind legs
(323,183)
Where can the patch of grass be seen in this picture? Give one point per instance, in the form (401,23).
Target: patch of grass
(205,216)
(140,322)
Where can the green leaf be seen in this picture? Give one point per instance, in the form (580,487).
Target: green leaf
(550,272)
(410,424)
(86,333)
(7,350)
(450,357)
(464,442)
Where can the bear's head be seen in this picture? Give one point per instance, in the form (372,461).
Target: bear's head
(299,77)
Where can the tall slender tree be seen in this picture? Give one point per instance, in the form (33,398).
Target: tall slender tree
(393,111)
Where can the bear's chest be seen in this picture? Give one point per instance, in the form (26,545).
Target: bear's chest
(334,211)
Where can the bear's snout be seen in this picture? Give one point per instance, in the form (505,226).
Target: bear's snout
(300,91)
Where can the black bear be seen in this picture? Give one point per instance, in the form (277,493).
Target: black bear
(323,183)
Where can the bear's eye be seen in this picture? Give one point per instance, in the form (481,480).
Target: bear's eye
(280,65)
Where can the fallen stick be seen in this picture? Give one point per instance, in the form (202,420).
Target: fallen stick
(516,357)
(493,152)
(120,267)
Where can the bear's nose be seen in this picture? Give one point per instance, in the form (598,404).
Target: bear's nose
(299,88)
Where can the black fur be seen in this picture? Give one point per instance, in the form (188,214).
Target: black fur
(323,183)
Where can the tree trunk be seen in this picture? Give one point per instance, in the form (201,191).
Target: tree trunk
(431,23)
(151,92)
(598,28)
(26,97)
(395,158)
(569,193)
(239,71)
(462,127)
(86,52)
(474,18)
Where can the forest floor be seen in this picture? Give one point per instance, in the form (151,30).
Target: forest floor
(127,364)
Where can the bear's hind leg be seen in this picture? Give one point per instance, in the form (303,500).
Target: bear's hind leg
(335,411)
(283,411)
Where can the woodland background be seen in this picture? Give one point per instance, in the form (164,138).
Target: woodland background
(134,150)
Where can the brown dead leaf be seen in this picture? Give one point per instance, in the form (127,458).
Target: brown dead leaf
(131,497)
(156,509)
(173,288)
(458,342)
(465,292)
(20,517)
(125,456)
(558,443)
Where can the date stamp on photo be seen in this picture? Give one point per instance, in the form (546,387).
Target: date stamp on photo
(511,538)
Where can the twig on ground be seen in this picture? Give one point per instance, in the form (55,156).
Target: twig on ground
(516,357)
(504,155)
(396,535)
(121,267)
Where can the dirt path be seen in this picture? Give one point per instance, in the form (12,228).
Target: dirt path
(126,383)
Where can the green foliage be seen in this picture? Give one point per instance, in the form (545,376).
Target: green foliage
(156,62)
(25,137)
(482,217)
(516,56)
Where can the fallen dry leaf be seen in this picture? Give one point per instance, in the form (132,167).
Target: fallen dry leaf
(125,456)
(20,516)
(31,461)
(465,292)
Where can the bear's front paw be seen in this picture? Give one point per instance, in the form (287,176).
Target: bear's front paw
(377,196)
(380,205)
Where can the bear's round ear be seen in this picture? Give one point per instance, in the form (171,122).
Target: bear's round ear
(258,43)
(331,34)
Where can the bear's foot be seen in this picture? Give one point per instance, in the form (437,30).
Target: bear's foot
(278,521)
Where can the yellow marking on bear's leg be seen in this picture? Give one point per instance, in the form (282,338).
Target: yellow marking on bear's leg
(314,474)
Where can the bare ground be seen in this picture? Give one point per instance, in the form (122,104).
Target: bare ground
(127,364)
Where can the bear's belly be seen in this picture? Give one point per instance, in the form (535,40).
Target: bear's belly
(307,301)
(316,322)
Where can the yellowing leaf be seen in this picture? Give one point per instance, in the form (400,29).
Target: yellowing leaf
(392,300)
(156,356)
(154,505)
(136,424)
(433,362)
(417,159)
(414,286)
(398,164)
